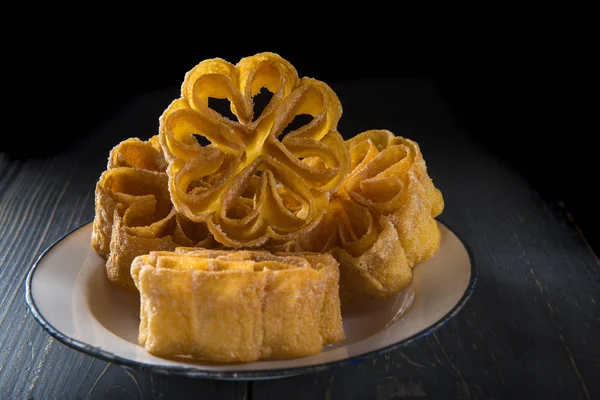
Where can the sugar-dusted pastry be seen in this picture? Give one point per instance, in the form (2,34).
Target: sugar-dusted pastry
(136,153)
(237,306)
(133,211)
(367,246)
(389,176)
(254,182)
(244,233)
(380,223)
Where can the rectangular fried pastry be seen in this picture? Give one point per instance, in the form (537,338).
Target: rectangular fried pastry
(237,306)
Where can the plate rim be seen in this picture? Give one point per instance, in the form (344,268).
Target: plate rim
(192,372)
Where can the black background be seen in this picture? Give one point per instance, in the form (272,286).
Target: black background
(504,87)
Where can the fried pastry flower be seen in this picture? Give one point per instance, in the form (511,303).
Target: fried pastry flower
(252,184)
(237,306)
(380,223)
(389,176)
(133,210)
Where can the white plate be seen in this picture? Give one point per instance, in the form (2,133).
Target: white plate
(70,296)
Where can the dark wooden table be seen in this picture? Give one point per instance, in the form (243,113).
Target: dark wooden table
(531,329)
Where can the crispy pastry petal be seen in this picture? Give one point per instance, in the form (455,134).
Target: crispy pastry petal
(135,153)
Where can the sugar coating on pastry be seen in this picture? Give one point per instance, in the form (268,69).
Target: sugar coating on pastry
(237,306)
(245,244)
(381,221)
(368,248)
(254,182)
(133,210)
(389,176)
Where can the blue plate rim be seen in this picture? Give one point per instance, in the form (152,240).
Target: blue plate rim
(192,372)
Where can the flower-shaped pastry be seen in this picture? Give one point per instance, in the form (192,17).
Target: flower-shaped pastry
(253,182)
(133,210)
(389,176)
(380,222)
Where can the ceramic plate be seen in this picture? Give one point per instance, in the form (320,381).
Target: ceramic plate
(70,296)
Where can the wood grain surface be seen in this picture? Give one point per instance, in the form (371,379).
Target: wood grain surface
(531,329)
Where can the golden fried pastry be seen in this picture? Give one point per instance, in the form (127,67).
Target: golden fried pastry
(133,211)
(380,223)
(237,306)
(252,183)
(372,260)
(126,186)
(136,153)
(389,176)
(245,234)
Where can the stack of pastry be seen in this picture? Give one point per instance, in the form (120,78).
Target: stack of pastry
(247,243)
